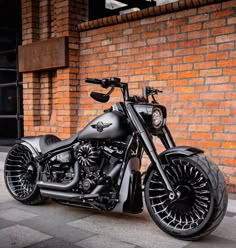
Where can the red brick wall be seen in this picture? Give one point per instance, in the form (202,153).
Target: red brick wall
(189,54)
(51,97)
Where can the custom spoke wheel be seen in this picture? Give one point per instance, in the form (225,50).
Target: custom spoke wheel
(20,173)
(201,202)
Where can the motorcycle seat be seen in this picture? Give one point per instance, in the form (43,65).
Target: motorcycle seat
(50,142)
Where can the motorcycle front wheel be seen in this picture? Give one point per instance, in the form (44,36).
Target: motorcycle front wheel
(203,198)
(20,174)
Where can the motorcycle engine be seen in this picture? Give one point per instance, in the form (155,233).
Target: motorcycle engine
(96,160)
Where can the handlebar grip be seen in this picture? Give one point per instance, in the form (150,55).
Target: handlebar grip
(93,81)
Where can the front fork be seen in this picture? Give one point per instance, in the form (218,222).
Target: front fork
(150,149)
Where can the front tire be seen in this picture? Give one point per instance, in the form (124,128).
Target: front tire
(203,197)
(20,174)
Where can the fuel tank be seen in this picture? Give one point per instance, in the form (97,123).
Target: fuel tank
(108,126)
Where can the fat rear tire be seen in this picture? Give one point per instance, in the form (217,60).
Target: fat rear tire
(20,174)
(205,205)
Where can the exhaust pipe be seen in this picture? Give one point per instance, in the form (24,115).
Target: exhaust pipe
(66,195)
(52,190)
(59,186)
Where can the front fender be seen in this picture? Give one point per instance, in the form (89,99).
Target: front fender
(165,156)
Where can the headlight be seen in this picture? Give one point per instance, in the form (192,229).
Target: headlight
(157,118)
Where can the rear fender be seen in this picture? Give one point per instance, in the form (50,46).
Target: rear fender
(165,156)
(33,143)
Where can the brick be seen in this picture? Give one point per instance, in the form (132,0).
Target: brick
(179,127)
(211,95)
(223,13)
(163,54)
(210,72)
(226,38)
(225,136)
(215,23)
(205,65)
(221,87)
(182,67)
(209,9)
(183,89)
(188,74)
(170,31)
(188,97)
(201,135)
(228,104)
(233,54)
(166,76)
(177,22)
(193,58)
(226,63)
(177,37)
(199,128)
(220,112)
(220,31)
(177,82)
(185,51)
(232,180)
(189,43)
(230,95)
(199,18)
(217,80)
(170,61)
(231,20)
(156,41)
(209,144)
(206,49)
(229,161)
(199,34)
(191,27)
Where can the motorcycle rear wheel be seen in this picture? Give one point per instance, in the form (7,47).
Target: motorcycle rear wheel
(20,174)
(203,197)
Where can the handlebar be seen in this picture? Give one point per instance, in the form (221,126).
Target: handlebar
(106,82)
(111,82)
(115,82)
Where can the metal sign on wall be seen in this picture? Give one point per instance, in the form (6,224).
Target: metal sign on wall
(44,55)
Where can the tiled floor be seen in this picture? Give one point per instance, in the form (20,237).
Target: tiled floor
(57,226)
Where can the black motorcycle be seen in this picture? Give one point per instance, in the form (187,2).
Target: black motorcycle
(99,168)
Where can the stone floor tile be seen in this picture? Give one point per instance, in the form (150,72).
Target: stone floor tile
(227,229)
(4,194)
(212,242)
(53,243)
(16,215)
(139,231)
(20,236)
(2,157)
(230,214)
(101,241)
(51,209)
(5,223)
(51,227)
(231,206)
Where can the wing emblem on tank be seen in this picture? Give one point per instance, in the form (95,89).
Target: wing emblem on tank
(100,126)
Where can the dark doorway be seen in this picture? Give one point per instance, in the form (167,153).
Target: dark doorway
(11,110)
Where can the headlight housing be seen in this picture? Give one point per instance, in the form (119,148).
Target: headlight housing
(157,118)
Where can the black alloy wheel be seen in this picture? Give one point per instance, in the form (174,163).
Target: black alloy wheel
(194,213)
(20,175)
